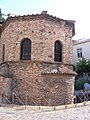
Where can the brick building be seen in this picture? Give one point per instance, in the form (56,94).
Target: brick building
(36,59)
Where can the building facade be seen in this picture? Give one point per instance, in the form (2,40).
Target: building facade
(81,49)
(36,59)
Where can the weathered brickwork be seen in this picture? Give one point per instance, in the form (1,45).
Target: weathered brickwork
(41,77)
(27,78)
(5,87)
(43,34)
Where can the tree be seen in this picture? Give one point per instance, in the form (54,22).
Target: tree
(82,67)
(2,20)
(88,67)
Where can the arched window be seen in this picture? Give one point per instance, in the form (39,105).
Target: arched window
(57,51)
(26,49)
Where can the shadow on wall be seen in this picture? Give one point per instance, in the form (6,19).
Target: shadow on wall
(5,71)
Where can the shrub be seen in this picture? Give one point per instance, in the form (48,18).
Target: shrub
(79,82)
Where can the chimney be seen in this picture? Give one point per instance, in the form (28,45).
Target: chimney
(44,12)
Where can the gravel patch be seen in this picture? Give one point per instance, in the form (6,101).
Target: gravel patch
(79,113)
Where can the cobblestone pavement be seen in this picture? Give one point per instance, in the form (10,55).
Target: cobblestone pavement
(79,113)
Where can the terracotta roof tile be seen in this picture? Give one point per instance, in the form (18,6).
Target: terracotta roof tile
(61,69)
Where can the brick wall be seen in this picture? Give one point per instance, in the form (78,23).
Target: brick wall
(42,32)
(27,78)
(5,89)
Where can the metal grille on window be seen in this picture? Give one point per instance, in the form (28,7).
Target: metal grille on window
(26,49)
(58,51)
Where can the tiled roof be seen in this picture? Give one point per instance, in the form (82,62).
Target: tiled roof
(61,69)
(84,40)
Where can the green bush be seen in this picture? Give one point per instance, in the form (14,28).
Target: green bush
(82,67)
(79,82)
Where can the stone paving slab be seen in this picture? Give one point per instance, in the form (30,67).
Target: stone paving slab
(79,113)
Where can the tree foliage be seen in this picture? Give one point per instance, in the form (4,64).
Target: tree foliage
(2,20)
(82,67)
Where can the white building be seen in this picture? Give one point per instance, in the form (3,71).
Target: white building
(81,48)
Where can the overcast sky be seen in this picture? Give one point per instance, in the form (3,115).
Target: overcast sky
(77,10)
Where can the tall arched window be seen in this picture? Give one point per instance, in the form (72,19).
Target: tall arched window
(26,49)
(57,51)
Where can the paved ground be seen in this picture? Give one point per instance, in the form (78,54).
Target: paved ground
(79,113)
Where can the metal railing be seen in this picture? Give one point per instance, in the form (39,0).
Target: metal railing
(84,98)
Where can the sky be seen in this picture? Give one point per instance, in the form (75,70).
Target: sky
(77,10)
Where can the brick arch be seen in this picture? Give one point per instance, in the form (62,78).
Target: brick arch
(25,51)
(58,51)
